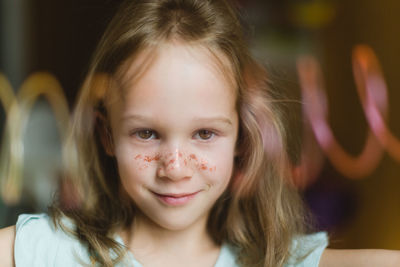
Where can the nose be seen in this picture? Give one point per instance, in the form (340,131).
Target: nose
(174,166)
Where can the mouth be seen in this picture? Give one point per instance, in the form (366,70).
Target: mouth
(175,199)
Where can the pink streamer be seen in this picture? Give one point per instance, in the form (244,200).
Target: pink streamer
(315,109)
(373,95)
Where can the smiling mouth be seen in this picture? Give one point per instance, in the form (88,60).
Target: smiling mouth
(175,199)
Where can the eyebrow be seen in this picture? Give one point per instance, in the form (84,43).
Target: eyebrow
(217,119)
(214,120)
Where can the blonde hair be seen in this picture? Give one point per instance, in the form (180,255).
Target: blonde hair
(261,212)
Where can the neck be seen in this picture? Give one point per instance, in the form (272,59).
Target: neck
(146,236)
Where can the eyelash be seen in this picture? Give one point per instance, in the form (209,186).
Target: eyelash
(137,133)
(211,134)
(154,134)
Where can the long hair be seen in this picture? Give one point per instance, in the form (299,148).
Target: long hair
(260,212)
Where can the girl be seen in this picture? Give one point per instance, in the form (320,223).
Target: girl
(178,154)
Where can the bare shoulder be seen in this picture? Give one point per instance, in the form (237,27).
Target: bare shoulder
(360,258)
(7,238)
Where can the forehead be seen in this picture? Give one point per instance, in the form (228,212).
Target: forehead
(171,52)
(177,70)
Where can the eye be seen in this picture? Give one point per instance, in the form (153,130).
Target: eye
(145,134)
(205,134)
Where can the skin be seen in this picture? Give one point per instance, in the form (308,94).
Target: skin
(174,134)
(7,239)
(167,141)
(360,258)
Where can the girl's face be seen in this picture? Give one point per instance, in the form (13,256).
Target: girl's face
(174,136)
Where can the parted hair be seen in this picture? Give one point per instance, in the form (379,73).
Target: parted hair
(261,212)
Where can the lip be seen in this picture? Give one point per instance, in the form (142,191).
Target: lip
(172,199)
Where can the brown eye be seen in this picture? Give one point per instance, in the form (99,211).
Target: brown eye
(205,134)
(146,134)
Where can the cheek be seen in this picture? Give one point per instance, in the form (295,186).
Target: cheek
(223,171)
(130,169)
(125,159)
(129,175)
(132,158)
(220,169)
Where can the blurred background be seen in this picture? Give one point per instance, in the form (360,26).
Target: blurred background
(358,211)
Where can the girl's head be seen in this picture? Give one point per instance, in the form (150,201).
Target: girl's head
(174,130)
(181,115)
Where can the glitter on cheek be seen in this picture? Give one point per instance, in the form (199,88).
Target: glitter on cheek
(139,160)
(213,169)
(202,165)
(192,160)
(146,160)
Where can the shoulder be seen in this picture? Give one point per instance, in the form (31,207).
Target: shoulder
(33,231)
(306,250)
(7,237)
(360,258)
(38,242)
(227,256)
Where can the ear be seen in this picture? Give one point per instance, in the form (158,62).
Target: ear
(104,132)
